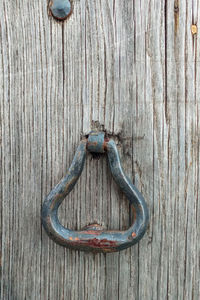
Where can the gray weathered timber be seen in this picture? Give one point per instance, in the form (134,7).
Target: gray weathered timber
(133,66)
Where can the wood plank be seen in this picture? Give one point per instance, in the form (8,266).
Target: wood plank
(182,109)
(131,68)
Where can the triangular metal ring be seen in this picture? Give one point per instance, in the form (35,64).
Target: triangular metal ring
(93,237)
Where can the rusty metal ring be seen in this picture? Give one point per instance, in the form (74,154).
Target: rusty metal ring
(94,237)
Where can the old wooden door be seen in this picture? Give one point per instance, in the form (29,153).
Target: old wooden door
(130,67)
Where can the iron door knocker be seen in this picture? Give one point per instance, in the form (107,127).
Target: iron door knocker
(94,237)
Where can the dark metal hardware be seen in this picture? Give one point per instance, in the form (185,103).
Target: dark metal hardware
(94,237)
(60,9)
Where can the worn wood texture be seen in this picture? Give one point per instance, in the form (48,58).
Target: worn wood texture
(131,67)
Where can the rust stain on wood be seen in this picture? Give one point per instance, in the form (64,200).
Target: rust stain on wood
(176,15)
(194,29)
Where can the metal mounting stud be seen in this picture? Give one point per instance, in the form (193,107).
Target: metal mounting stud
(60,9)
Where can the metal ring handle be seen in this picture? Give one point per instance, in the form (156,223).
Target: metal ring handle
(94,237)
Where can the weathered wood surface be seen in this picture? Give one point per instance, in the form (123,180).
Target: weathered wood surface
(133,66)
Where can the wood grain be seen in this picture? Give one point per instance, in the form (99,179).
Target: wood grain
(131,68)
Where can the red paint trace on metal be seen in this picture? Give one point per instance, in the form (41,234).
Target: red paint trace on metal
(95,243)
(134,234)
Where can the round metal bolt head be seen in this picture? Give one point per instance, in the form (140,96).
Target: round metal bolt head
(60,9)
